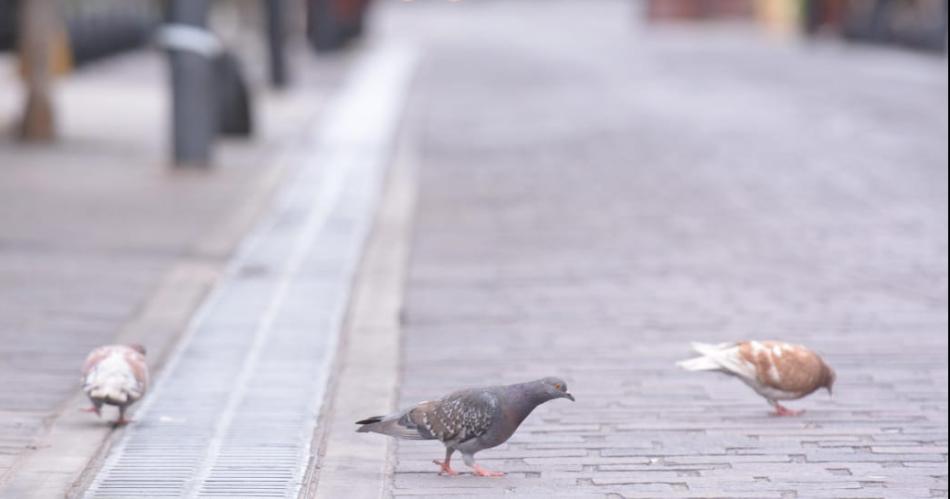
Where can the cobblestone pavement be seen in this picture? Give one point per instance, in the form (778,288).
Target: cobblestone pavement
(595,194)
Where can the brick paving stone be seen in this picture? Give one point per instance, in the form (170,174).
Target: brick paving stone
(596,193)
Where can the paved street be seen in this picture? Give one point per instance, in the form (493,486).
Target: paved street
(483,193)
(594,195)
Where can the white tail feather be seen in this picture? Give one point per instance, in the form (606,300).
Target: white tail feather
(710,349)
(699,364)
(113,393)
(722,357)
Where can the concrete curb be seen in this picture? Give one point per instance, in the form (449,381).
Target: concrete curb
(367,371)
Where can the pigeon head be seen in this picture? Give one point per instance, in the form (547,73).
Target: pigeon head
(828,377)
(552,388)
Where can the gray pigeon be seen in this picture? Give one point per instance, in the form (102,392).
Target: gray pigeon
(470,420)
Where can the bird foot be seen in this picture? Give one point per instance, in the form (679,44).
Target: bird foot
(446,469)
(479,471)
(782,411)
(92,409)
(122,421)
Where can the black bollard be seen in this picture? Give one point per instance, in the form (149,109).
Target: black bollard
(324,27)
(276,16)
(194,120)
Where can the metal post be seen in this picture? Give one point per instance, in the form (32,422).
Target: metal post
(194,119)
(323,25)
(276,36)
(878,28)
(812,16)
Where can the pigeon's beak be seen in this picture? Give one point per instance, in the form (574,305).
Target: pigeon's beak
(569,396)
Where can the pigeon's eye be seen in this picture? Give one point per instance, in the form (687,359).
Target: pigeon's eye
(557,386)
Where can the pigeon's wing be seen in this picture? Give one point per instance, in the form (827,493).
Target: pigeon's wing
(138,369)
(460,416)
(785,367)
(94,358)
(456,418)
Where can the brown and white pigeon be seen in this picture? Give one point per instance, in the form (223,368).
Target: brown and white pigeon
(470,420)
(775,370)
(115,375)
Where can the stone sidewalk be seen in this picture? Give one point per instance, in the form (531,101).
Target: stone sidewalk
(595,194)
(101,241)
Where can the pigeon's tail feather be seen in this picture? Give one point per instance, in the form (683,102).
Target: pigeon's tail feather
(368,421)
(112,393)
(710,349)
(398,426)
(699,364)
(711,357)
(724,357)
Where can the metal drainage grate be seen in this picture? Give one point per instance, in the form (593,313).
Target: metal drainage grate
(234,412)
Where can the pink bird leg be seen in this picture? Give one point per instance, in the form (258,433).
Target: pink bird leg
(479,471)
(782,411)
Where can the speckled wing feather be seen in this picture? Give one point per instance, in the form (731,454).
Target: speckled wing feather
(458,417)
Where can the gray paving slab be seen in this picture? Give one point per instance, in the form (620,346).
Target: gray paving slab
(594,194)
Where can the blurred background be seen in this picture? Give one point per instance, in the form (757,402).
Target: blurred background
(74,35)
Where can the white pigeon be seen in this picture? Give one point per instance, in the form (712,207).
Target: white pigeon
(115,375)
(775,370)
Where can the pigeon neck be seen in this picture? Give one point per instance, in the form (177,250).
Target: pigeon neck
(525,398)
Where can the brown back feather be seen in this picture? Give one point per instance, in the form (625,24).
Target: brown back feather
(796,370)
